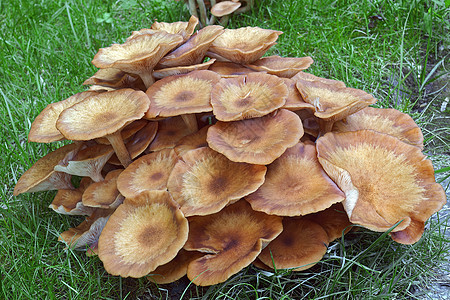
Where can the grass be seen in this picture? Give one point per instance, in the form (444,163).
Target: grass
(46,49)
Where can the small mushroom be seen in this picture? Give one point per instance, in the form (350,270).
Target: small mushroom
(281,66)
(104,194)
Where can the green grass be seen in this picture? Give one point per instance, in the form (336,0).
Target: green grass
(46,49)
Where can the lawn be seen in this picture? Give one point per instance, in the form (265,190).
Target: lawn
(396,50)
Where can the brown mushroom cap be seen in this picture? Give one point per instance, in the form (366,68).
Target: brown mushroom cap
(295,185)
(229,69)
(170,131)
(43,129)
(68,202)
(224,8)
(247,96)
(193,51)
(244,45)
(234,237)
(301,245)
(162,73)
(185,29)
(310,77)
(104,194)
(294,100)
(143,233)
(385,180)
(256,141)
(384,120)
(204,181)
(181,94)
(115,78)
(192,141)
(149,172)
(281,66)
(42,177)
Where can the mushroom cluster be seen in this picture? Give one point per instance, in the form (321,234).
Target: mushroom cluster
(199,156)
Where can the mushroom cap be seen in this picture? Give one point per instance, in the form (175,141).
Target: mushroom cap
(310,77)
(143,233)
(170,131)
(102,114)
(114,78)
(301,245)
(175,269)
(43,129)
(234,237)
(384,120)
(294,100)
(204,181)
(256,141)
(149,172)
(42,177)
(247,96)
(224,8)
(193,51)
(244,45)
(162,73)
(181,94)
(332,103)
(185,29)
(384,179)
(138,55)
(104,194)
(229,69)
(281,66)
(295,185)
(68,202)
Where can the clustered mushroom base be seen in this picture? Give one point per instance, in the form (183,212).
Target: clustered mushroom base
(200,157)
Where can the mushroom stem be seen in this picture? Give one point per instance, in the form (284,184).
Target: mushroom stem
(147,78)
(191,122)
(119,147)
(192,8)
(325,126)
(202,9)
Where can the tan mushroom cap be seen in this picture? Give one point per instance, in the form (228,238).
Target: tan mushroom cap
(247,96)
(234,236)
(86,234)
(385,180)
(192,141)
(175,269)
(244,45)
(68,202)
(181,94)
(89,161)
(170,131)
(334,221)
(115,78)
(185,29)
(42,177)
(193,51)
(104,194)
(301,245)
(384,120)
(310,77)
(295,185)
(43,129)
(229,69)
(281,66)
(332,103)
(224,8)
(138,55)
(204,181)
(256,141)
(294,100)
(162,73)
(102,114)
(149,172)
(143,233)
(139,142)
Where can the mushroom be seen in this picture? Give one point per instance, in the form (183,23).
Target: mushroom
(300,246)
(294,100)
(310,77)
(170,131)
(256,141)
(115,78)
(204,181)
(295,185)
(105,115)
(224,8)
(244,45)
(68,202)
(229,69)
(281,66)
(233,238)
(166,72)
(149,172)
(143,233)
(138,55)
(192,141)
(247,96)
(104,194)
(384,179)
(185,29)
